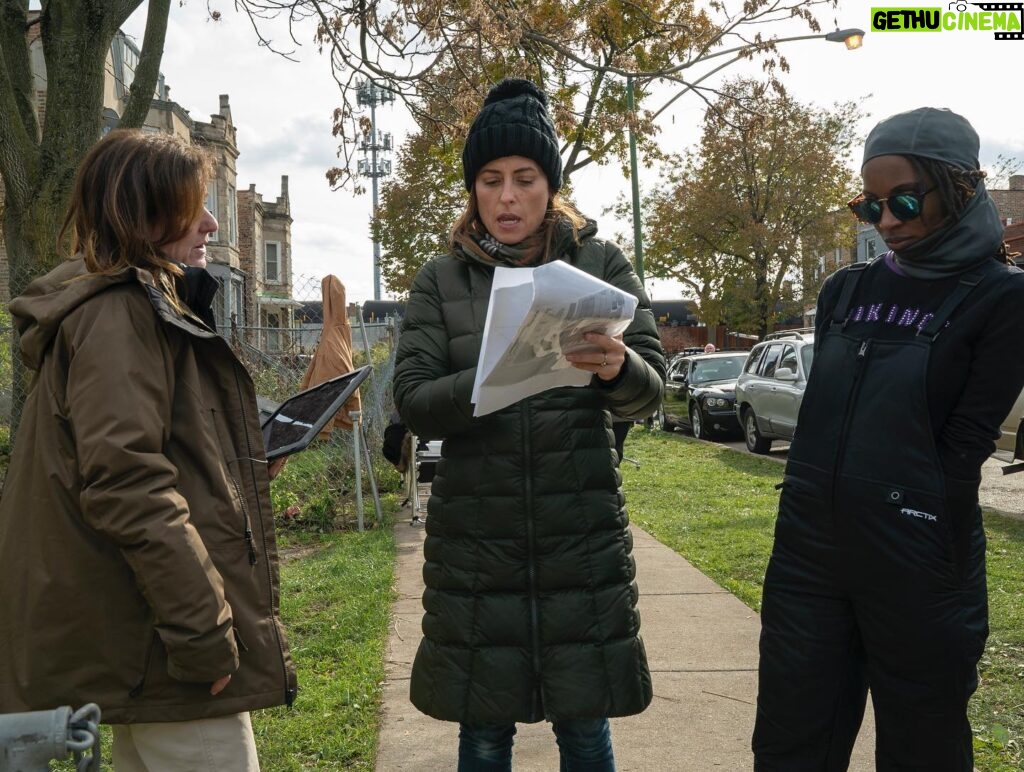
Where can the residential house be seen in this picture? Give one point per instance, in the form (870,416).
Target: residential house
(265,252)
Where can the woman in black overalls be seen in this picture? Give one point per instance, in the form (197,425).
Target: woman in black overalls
(877,577)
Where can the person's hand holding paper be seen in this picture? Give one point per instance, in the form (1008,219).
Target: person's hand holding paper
(535,318)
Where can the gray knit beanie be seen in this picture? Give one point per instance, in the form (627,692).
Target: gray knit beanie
(929,132)
(513,121)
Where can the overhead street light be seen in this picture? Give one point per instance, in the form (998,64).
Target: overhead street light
(852,38)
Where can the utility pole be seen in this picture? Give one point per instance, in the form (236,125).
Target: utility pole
(378,147)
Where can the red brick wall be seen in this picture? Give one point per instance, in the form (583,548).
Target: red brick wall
(675,339)
(1010,202)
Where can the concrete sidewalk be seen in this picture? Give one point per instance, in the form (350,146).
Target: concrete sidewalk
(702,648)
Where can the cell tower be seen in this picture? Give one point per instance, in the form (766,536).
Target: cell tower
(376,148)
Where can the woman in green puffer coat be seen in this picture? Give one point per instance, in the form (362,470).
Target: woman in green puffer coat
(530,596)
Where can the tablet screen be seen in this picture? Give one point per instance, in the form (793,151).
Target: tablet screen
(298,420)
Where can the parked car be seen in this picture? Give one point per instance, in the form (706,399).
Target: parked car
(699,394)
(771,387)
(1010,445)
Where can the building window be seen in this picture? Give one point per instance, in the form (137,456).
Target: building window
(232,217)
(272,262)
(211,205)
(239,299)
(219,304)
(871,249)
(273,332)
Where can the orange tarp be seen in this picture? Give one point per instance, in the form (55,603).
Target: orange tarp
(333,355)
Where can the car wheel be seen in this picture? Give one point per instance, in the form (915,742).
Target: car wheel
(700,429)
(755,442)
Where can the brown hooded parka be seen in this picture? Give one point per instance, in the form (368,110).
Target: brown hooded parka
(137,553)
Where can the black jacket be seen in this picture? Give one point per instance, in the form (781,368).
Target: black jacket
(530,596)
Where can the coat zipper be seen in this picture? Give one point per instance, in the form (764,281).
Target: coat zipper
(246,520)
(531,568)
(862,356)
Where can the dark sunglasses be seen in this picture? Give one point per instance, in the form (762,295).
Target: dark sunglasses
(904,206)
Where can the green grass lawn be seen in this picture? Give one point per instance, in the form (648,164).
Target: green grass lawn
(336,594)
(716,507)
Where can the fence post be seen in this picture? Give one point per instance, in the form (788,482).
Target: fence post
(366,340)
(373,477)
(356,417)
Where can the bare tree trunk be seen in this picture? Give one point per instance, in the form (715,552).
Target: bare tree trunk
(20,273)
(39,166)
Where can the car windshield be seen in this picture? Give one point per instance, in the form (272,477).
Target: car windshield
(718,369)
(807,356)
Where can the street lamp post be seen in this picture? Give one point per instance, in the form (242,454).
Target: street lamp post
(852,38)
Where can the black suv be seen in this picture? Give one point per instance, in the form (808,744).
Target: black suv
(699,393)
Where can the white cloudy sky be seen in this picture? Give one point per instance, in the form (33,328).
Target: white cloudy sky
(283,112)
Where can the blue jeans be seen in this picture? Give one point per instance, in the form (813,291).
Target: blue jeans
(584,745)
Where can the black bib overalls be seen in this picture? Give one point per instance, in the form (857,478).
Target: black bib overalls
(871,582)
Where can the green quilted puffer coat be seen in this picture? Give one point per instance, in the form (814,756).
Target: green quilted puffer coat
(530,601)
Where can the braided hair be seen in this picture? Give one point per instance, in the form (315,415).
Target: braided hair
(955,187)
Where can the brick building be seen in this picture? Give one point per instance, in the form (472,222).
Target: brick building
(1010,201)
(264,244)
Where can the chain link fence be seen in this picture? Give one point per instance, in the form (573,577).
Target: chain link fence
(316,489)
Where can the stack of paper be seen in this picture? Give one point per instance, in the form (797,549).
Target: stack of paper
(535,317)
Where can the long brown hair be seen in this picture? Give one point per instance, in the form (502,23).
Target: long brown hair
(559,209)
(134,193)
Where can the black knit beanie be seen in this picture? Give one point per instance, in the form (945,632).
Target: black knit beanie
(513,121)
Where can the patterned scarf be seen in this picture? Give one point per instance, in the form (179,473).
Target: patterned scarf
(484,248)
(476,243)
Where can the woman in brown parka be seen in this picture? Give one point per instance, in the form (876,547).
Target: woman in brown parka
(137,558)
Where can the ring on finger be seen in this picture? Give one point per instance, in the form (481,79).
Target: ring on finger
(604,361)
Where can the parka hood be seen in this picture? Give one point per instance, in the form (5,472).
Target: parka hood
(567,245)
(48,300)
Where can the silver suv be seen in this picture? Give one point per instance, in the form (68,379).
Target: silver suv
(1010,445)
(771,387)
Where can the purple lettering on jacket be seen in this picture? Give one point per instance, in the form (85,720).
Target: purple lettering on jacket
(893,314)
(909,315)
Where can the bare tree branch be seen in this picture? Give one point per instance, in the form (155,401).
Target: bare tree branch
(147,72)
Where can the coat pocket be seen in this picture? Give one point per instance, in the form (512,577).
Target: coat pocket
(913,533)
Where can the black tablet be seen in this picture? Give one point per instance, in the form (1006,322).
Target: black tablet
(298,420)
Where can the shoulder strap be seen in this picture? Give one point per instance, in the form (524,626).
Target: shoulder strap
(964,288)
(842,308)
